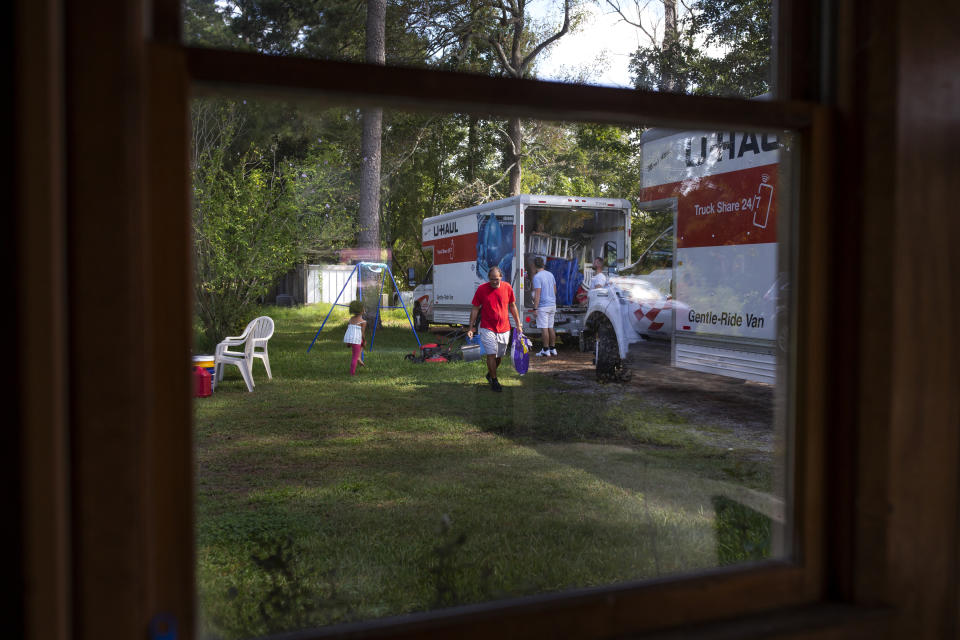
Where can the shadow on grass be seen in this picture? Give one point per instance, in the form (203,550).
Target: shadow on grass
(325,499)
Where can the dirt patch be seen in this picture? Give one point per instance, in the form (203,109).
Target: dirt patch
(729,412)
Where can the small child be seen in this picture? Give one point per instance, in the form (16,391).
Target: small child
(355,335)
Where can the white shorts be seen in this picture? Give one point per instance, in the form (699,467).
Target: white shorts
(545,316)
(494,343)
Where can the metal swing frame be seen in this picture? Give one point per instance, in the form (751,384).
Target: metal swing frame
(376,267)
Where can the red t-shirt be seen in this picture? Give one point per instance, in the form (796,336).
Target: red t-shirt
(494,304)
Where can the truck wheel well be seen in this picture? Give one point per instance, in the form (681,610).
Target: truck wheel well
(609,366)
(588,334)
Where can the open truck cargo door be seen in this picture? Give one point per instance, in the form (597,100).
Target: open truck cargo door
(726,262)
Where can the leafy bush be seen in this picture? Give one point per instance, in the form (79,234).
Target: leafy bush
(255,216)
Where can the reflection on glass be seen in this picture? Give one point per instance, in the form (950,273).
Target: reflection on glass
(706,47)
(721,189)
(652,445)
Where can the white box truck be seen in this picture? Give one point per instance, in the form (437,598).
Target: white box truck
(727,287)
(567,231)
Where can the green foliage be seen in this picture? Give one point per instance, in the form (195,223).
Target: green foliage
(241,221)
(420,179)
(204,24)
(280,28)
(665,67)
(331,30)
(591,160)
(431,164)
(742,30)
(722,47)
(646,227)
(254,217)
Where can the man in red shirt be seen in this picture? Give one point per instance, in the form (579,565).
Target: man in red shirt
(491,303)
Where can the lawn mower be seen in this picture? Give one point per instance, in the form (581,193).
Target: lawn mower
(447,352)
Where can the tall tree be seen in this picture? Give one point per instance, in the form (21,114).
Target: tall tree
(503,28)
(368,215)
(517,52)
(708,47)
(663,63)
(742,31)
(671,42)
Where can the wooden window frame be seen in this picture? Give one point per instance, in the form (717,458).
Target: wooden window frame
(105,444)
(623,608)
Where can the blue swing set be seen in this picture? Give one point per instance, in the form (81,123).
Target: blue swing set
(375,267)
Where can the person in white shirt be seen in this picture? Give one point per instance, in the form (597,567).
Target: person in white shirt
(545,304)
(356,335)
(599,279)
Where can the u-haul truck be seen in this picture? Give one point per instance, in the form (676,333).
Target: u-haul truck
(568,231)
(722,190)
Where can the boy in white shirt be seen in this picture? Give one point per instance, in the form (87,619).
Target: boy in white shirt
(545,305)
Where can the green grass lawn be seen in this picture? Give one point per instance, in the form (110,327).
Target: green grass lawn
(324,498)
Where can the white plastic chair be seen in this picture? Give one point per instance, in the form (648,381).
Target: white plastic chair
(260,334)
(256,334)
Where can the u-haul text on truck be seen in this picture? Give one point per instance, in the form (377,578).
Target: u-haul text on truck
(722,188)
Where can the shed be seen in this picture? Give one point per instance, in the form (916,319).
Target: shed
(333,277)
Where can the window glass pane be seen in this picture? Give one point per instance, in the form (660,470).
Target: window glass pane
(650,442)
(705,47)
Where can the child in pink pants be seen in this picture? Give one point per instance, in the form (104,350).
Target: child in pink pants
(356,330)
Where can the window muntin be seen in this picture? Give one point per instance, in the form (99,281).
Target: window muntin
(579,456)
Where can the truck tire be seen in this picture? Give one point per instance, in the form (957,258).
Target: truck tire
(420,322)
(607,355)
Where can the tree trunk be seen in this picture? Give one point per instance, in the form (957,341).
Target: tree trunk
(368,216)
(514,153)
(473,143)
(668,80)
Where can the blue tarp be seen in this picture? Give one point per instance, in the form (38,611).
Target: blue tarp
(568,277)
